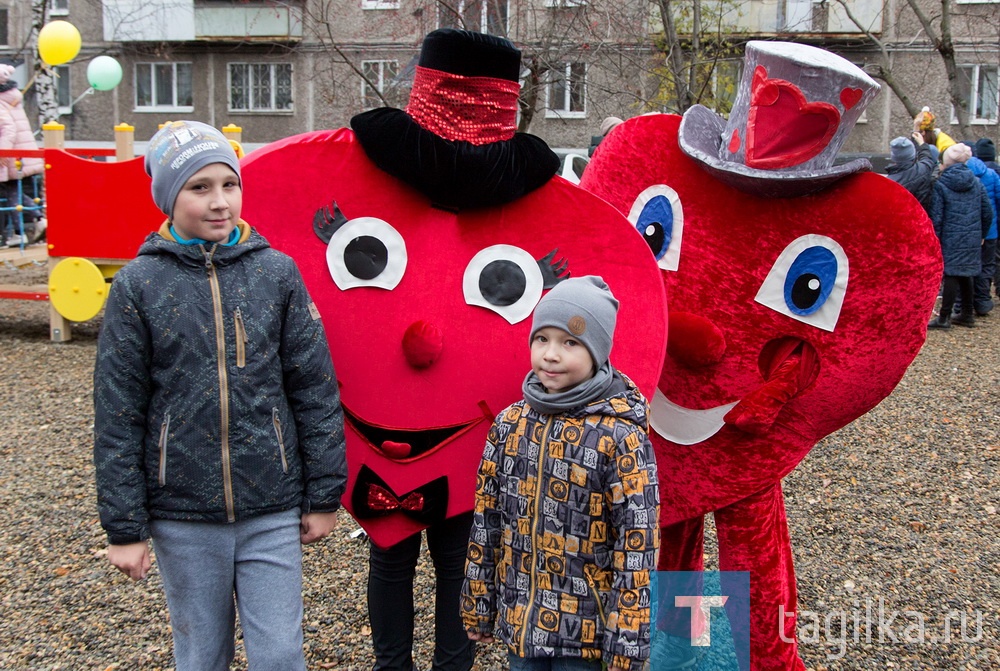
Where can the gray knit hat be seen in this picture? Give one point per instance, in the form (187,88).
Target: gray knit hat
(179,150)
(584,308)
(901,150)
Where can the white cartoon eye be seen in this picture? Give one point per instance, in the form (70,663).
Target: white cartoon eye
(658,216)
(504,279)
(808,282)
(366,252)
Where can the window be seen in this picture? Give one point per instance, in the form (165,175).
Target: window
(3,26)
(979,88)
(379,4)
(567,91)
(380,74)
(163,86)
(260,87)
(485,16)
(64,91)
(565,3)
(58,7)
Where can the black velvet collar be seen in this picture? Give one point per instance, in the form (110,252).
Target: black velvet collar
(454,174)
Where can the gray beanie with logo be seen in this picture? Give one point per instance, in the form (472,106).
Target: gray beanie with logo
(901,150)
(179,150)
(583,307)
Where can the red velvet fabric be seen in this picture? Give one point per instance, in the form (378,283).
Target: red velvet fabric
(793,383)
(422,369)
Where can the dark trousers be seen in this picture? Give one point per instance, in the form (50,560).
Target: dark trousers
(952,286)
(983,302)
(390,598)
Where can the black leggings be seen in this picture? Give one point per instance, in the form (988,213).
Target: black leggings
(390,598)
(952,285)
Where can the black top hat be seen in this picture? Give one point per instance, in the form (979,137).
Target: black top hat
(456,141)
(794,109)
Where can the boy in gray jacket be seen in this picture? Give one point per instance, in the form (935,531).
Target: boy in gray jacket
(218,427)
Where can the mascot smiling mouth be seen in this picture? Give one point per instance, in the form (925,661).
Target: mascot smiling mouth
(788,365)
(403,444)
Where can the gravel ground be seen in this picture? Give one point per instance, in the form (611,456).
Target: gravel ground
(897,511)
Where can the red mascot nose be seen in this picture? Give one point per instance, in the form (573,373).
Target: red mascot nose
(422,344)
(694,341)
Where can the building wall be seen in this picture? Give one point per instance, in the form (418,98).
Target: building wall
(606,35)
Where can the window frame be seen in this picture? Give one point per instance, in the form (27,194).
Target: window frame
(58,11)
(484,16)
(174,107)
(379,4)
(61,71)
(972,71)
(564,112)
(274,87)
(382,79)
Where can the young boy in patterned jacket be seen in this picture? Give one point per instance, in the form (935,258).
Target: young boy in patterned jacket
(218,427)
(565,533)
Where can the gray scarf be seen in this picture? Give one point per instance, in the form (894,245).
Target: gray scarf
(553,404)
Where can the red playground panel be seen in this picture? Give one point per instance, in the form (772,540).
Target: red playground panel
(97,210)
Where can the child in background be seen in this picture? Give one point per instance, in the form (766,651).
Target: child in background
(565,530)
(218,427)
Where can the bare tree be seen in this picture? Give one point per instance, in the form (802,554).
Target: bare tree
(696,39)
(43,78)
(936,20)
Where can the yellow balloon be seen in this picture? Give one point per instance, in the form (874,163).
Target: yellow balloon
(58,42)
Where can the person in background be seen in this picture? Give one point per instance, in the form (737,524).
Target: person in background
(923,123)
(962,215)
(15,133)
(913,166)
(982,300)
(986,151)
(607,125)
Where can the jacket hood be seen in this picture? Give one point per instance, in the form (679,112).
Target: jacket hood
(977,167)
(162,242)
(958,177)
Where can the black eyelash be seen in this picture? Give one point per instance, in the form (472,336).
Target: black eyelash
(326,223)
(553,270)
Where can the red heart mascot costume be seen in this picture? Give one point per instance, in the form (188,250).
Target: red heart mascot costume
(426,237)
(799,294)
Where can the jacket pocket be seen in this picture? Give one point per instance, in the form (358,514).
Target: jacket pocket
(162,444)
(241,340)
(281,440)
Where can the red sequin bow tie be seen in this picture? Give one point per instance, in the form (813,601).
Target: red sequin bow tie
(381,499)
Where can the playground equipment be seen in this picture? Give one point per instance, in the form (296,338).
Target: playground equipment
(98,215)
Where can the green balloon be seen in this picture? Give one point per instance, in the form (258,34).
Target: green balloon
(104,73)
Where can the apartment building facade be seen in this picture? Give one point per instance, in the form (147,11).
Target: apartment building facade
(281,67)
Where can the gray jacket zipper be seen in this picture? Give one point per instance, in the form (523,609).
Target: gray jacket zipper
(241,340)
(281,439)
(164,432)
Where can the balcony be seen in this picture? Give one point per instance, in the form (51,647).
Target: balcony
(201,20)
(822,18)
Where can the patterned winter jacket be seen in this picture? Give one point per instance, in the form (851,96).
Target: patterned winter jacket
(215,396)
(565,532)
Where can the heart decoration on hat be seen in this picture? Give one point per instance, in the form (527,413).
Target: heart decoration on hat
(783,128)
